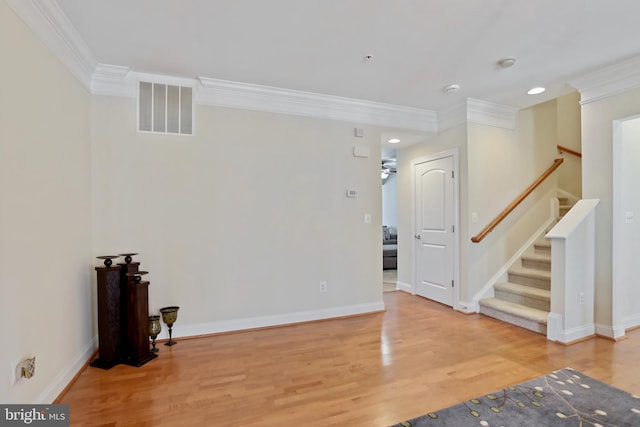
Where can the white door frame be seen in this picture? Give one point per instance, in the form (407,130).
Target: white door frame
(456,207)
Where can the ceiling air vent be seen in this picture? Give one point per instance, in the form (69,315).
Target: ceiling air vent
(165,108)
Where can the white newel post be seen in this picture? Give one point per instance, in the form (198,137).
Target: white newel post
(573,274)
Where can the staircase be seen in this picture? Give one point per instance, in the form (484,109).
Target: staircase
(525,300)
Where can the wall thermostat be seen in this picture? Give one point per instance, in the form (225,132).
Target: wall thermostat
(352,193)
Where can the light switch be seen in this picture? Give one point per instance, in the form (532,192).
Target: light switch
(628,217)
(367,218)
(474,217)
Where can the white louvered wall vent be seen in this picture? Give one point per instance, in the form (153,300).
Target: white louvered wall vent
(164,108)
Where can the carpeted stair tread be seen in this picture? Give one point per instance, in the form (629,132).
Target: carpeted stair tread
(514,309)
(543,242)
(537,257)
(542,246)
(531,272)
(527,291)
(536,261)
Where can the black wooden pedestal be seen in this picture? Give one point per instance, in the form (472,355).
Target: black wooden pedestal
(109,318)
(136,303)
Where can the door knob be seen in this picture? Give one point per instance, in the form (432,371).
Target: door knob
(417,236)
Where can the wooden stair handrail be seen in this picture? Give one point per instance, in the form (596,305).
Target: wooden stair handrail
(569,150)
(493,224)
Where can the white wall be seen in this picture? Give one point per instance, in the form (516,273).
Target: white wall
(390,202)
(238,224)
(626,234)
(452,138)
(568,123)
(502,164)
(45,213)
(597,183)
(496,165)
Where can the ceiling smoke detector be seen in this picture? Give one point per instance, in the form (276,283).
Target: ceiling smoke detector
(507,62)
(451,88)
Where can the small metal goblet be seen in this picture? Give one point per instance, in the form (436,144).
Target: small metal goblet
(169,316)
(154,329)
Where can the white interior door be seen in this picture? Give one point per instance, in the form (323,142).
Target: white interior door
(434,233)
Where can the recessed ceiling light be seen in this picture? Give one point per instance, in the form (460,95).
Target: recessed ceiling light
(451,88)
(507,62)
(393,141)
(536,90)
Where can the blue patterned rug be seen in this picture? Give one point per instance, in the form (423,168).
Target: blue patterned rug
(561,398)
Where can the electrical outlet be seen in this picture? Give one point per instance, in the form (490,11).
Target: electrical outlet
(581,297)
(323,286)
(26,368)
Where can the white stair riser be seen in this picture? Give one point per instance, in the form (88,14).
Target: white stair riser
(525,300)
(542,250)
(536,282)
(514,320)
(544,265)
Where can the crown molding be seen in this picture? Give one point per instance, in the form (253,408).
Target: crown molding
(49,23)
(481,112)
(117,80)
(225,93)
(47,20)
(608,81)
(452,117)
(488,113)
(113,80)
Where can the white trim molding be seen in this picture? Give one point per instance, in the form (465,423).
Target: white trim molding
(274,320)
(467,307)
(405,287)
(614,332)
(64,378)
(50,24)
(608,81)
(557,333)
(488,113)
(113,80)
(481,112)
(225,93)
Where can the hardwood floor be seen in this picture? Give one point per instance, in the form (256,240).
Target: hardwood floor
(372,370)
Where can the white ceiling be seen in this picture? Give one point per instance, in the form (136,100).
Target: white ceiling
(418,46)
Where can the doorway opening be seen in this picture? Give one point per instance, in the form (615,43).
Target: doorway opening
(388,172)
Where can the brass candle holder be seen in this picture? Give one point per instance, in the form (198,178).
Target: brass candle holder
(169,316)
(154,329)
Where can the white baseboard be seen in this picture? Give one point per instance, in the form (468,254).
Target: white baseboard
(406,287)
(577,333)
(556,331)
(467,307)
(267,321)
(53,390)
(554,326)
(631,321)
(614,332)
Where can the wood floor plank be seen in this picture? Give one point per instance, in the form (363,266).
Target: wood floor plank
(372,370)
